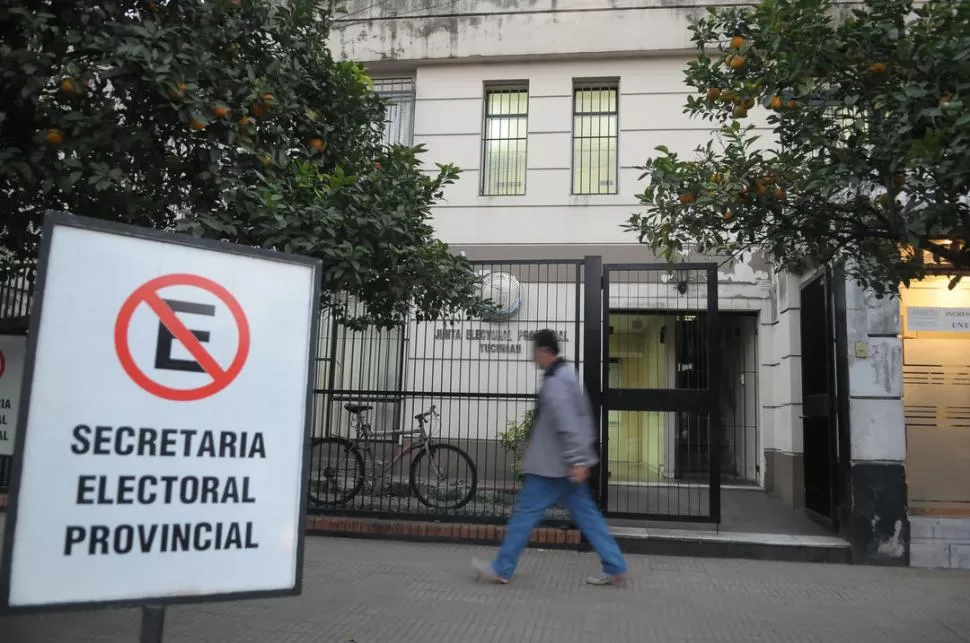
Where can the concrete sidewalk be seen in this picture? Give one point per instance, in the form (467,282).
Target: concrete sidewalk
(369,591)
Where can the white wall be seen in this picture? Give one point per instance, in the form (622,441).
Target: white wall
(448,122)
(432,30)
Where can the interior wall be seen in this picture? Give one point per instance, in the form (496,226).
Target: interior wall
(640,438)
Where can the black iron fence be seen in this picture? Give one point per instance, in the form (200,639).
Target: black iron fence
(16,292)
(458,390)
(428,419)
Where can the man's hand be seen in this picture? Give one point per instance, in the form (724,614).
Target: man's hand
(578,474)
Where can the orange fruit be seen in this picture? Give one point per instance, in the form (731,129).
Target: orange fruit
(728,215)
(792,104)
(260,110)
(779,194)
(748,103)
(878,68)
(737,42)
(268,98)
(944,100)
(687,198)
(713,93)
(378,166)
(740,111)
(54,136)
(318,144)
(776,103)
(196,124)
(728,96)
(737,62)
(760,187)
(68,86)
(220,111)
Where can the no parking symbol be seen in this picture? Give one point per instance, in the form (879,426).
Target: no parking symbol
(171,328)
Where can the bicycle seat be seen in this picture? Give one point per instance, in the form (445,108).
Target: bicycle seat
(357,408)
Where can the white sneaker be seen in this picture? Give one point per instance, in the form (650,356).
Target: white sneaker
(487,573)
(606,579)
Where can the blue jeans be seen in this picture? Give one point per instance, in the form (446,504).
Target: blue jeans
(537,495)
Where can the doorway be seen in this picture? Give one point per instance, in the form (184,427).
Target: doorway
(819,408)
(650,349)
(661,420)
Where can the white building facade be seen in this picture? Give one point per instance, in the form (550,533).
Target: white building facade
(549,107)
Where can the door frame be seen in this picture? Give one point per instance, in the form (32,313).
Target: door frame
(825,404)
(671,400)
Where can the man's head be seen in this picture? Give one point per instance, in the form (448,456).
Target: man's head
(545,349)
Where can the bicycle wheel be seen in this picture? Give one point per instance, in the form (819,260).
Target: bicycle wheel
(336,471)
(444,477)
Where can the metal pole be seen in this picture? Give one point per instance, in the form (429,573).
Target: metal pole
(152,623)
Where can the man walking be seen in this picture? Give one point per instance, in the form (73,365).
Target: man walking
(556,464)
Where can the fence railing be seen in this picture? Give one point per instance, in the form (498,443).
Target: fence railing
(16,293)
(479,378)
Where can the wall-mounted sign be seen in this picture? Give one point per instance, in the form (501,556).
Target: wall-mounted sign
(13,349)
(503,290)
(494,340)
(943,320)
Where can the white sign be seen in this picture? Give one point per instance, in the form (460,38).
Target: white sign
(163,456)
(12,351)
(946,320)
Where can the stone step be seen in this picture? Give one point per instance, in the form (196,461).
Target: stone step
(708,543)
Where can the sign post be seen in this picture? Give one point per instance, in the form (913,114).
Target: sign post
(13,350)
(164,424)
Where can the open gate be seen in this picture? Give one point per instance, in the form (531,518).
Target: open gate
(661,437)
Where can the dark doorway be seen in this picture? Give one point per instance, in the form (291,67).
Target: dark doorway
(819,408)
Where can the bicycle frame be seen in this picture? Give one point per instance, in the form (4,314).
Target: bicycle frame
(364,436)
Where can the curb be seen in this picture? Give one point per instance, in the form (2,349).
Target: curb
(483,534)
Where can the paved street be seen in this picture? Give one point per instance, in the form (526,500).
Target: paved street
(383,592)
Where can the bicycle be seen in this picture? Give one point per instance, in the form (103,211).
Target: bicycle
(332,485)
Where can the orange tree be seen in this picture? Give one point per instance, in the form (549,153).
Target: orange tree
(866,157)
(226,119)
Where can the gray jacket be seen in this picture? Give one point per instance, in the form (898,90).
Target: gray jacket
(563,433)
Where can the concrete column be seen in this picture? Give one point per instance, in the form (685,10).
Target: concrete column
(781,383)
(878,526)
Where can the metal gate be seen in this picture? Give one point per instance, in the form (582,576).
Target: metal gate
(661,437)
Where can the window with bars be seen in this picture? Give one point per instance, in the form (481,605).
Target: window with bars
(399,113)
(504,140)
(595,135)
